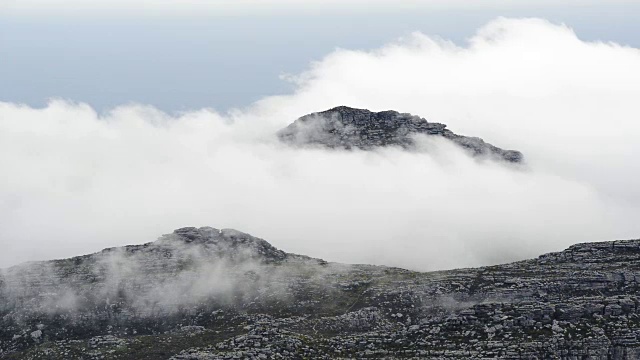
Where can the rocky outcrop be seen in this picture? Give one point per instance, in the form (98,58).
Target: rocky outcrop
(345,127)
(222,294)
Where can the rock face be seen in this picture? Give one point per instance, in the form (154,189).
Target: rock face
(222,294)
(345,127)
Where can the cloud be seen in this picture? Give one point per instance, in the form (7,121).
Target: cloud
(76,181)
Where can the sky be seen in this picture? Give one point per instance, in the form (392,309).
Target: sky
(116,128)
(180,56)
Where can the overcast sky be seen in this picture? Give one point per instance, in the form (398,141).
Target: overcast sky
(179,55)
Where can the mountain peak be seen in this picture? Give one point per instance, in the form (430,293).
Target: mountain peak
(346,127)
(225,242)
(343,109)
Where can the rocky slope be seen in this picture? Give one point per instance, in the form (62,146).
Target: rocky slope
(345,127)
(222,294)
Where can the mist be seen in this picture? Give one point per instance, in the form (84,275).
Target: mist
(161,277)
(76,181)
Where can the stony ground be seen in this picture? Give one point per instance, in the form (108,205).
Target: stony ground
(221,294)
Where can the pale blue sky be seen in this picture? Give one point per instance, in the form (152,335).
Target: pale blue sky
(230,60)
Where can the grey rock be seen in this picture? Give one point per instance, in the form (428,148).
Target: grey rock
(345,127)
(203,293)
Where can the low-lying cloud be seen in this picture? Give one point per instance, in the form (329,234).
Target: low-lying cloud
(75,181)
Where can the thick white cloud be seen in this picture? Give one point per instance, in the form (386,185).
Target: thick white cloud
(75,181)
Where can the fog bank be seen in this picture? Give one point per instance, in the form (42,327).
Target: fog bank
(75,181)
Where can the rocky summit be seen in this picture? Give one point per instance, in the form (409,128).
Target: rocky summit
(345,127)
(223,294)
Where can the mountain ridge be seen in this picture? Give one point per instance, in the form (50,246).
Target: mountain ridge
(205,293)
